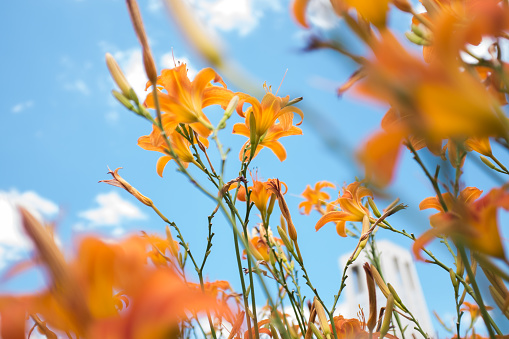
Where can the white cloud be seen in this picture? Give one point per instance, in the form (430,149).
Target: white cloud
(77,86)
(13,241)
(112,211)
(321,14)
(155,5)
(233,15)
(18,108)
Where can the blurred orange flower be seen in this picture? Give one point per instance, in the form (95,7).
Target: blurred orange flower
(315,198)
(473,309)
(453,24)
(273,119)
(469,219)
(351,208)
(84,296)
(374,12)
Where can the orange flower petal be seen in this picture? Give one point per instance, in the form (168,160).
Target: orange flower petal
(330,217)
(299,12)
(161,164)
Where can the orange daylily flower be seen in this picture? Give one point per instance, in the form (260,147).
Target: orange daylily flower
(466,196)
(163,250)
(259,246)
(348,328)
(273,119)
(222,292)
(259,194)
(471,219)
(351,208)
(354,329)
(180,145)
(473,309)
(315,198)
(185,99)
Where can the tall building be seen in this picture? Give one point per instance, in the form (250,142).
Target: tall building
(399,270)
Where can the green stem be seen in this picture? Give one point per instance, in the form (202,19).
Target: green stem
(477,292)
(249,267)
(492,157)
(242,282)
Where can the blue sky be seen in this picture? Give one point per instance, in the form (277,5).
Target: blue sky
(60,128)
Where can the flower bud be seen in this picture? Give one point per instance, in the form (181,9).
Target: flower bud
(228,112)
(150,66)
(118,76)
(148,60)
(375,210)
(316,331)
(397,299)
(489,164)
(502,303)
(272,258)
(272,201)
(460,268)
(387,316)
(254,252)
(412,37)
(312,316)
(285,239)
(495,280)
(253,137)
(273,331)
(371,323)
(454,280)
(322,317)
(123,100)
(379,281)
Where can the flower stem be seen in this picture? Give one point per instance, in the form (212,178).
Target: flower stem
(484,313)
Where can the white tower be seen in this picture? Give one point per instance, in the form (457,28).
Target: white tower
(398,269)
